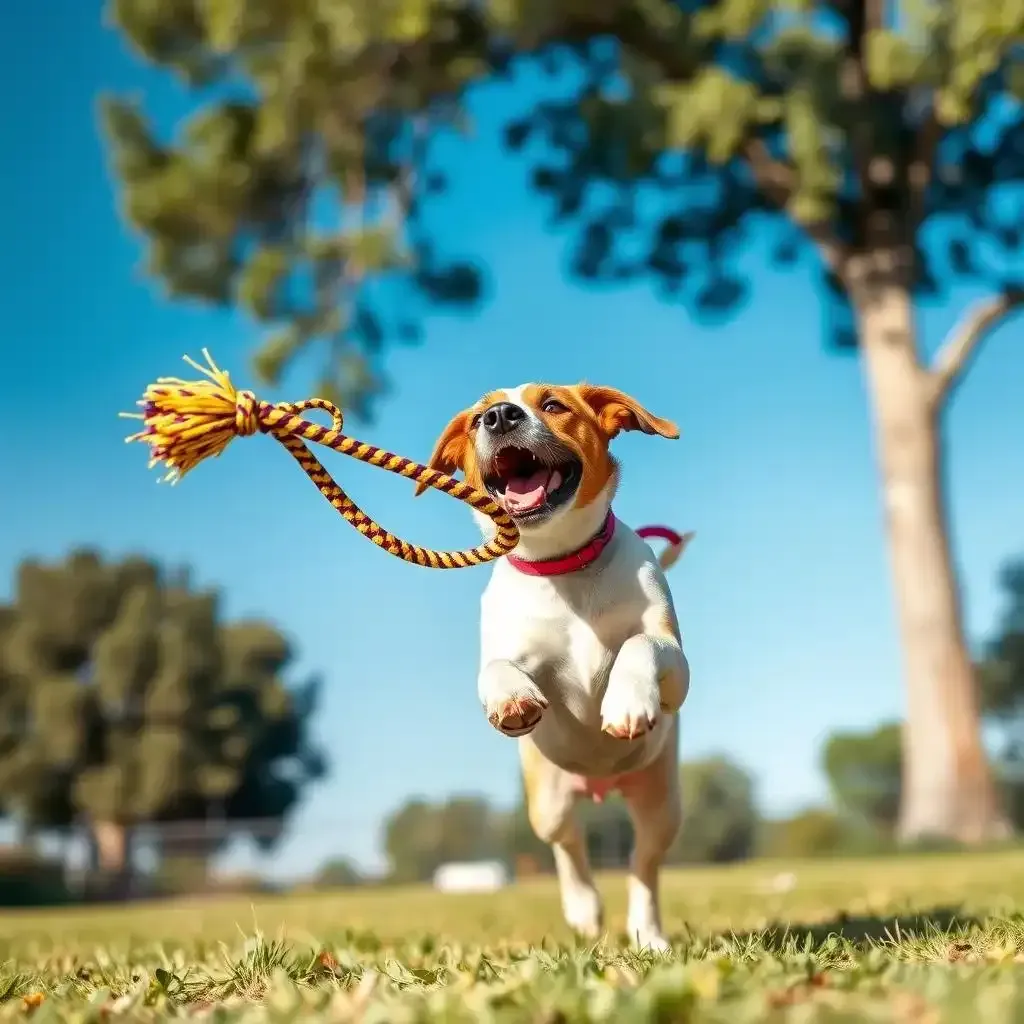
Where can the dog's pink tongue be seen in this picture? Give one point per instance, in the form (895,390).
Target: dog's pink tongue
(523,493)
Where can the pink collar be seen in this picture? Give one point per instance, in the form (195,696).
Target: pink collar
(573,562)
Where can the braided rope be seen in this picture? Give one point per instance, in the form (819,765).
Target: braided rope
(186,422)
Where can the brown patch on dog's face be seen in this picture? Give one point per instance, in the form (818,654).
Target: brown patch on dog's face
(454,450)
(556,457)
(564,412)
(586,418)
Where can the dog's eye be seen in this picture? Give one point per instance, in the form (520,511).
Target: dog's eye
(475,421)
(553,405)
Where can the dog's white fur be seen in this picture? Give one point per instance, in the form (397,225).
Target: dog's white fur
(587,669)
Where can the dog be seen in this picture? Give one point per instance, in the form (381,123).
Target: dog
(581,657)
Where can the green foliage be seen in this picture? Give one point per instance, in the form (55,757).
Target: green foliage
(126,700)
(855,131)
(719,824)
(519,842)
(864,772)
(818,832)
(338,873)
(294,181)
(607,832)
(1001,688)
(720,818)
(815,832)
(420,836)
(29,880)
(1001,674)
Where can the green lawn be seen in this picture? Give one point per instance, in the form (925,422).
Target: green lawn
(914,939)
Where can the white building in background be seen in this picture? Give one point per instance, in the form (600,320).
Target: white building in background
(471,876)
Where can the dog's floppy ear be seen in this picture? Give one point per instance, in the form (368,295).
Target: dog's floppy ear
(615,411)
(449,453)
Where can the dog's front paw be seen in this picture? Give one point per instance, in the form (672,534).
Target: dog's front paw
(517,716)
(512,701)
(630,706)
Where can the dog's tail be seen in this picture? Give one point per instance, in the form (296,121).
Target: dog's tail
(676,543)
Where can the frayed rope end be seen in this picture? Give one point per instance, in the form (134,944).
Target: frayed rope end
(185,422)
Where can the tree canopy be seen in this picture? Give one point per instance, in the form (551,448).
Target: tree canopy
(864,774)
(296,187)
(720,815)
(125,700)
(420,836)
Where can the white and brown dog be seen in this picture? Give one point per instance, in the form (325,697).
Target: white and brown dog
(581,656)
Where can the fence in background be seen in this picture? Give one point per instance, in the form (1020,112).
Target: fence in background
(218,855)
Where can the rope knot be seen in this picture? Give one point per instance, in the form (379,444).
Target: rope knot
(187,422)
(247,414)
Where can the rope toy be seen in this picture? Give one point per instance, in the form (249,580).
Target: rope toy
(186,422)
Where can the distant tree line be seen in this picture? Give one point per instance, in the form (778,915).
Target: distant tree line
(722,821)
(126,700)
(721,825)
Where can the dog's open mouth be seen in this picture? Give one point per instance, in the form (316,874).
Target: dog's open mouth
(525,486)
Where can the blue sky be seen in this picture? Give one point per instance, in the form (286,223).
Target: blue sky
(784,596)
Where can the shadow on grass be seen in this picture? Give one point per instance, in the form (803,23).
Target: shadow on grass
(865,929)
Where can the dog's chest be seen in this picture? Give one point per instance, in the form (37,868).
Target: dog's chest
(566,634)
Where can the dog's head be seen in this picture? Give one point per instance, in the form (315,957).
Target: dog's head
(541,450)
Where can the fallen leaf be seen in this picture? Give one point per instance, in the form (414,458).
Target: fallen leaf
(326,961)
(32,1001)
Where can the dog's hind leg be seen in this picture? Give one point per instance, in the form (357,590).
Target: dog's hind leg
(550,800)
(655,807)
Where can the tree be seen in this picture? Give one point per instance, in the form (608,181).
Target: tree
(519,843)
(814,832)
(720,818)
(844,132)
(126,701)
(299,201)
(421,836)
(607,833)
(1001,671)
(864,771)
(338,873)
(1002,666)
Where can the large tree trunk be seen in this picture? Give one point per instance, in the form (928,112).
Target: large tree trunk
(948,789)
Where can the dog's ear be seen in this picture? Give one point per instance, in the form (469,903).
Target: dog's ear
(449,453)
(615,411)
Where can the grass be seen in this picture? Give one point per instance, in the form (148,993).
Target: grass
(914,939)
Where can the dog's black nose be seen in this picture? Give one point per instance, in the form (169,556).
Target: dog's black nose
(502,417)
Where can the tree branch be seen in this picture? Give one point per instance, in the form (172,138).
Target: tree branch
(775,179)
(962,342)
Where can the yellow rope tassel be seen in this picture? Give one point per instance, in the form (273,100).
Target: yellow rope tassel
(186,422)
